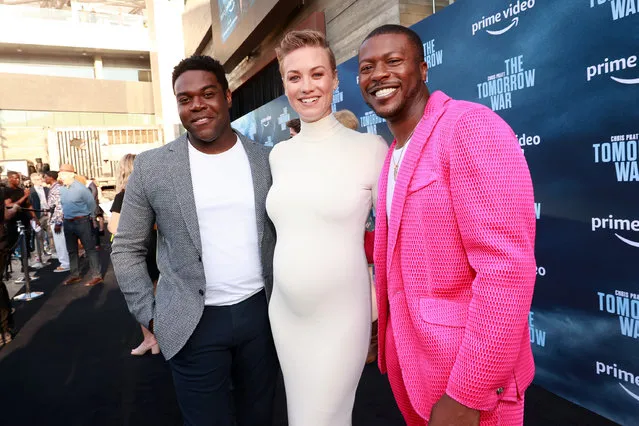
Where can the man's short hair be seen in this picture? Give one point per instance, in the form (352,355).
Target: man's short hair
(52,174)
(294,124)
(201,63)
(412,36)
(347,118)
(12,173)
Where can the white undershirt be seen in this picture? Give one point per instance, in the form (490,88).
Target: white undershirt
(398,158)
(42,196)
(225,203)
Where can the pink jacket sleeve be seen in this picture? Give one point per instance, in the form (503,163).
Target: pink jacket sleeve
(493,202)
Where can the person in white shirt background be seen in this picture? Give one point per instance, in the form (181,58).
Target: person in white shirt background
(38,199)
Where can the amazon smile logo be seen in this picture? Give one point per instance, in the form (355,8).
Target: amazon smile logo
(503,21)
(625,378)
(615,224)
(613,66)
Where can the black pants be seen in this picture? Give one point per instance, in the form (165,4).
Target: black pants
(231,344)
(6,318)
(82,229)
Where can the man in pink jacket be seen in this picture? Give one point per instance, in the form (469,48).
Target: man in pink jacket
(455,265)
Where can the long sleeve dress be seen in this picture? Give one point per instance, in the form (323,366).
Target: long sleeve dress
(324,184)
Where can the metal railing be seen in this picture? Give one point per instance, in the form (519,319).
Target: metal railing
(73,16)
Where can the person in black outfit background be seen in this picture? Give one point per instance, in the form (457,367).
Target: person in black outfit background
(6,318)
(15,194)
(124,171)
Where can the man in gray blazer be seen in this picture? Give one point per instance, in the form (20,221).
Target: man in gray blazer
(206,192)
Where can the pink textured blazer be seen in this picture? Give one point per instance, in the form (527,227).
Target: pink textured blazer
(455,266)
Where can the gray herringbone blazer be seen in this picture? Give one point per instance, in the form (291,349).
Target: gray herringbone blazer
(160,191)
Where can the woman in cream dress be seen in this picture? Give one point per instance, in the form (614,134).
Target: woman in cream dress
(324,184)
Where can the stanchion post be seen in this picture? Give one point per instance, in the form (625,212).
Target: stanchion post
(28,295)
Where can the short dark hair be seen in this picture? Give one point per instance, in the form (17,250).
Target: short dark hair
(12,173)
(201,63)
(52,174)
(412,36)
(294,124)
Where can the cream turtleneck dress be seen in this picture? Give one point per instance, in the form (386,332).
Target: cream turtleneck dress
(324,184)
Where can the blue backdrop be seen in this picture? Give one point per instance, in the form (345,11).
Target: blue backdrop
(565,76)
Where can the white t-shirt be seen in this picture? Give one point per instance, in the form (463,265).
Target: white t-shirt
(42,196)
(225,203)
(398,157)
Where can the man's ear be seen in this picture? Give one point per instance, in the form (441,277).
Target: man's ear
(229,97)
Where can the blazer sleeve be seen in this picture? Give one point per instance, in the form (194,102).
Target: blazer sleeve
(493,203)
(130,247)
(34,200)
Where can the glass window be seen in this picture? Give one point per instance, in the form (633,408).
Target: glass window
(114,119)
(91,119)
(121,74)
(66,119)
(13,118)
(124,74)
(55,70)
(141,119)
(40,118)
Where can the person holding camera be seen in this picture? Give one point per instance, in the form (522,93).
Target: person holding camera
(16,194)
(6,318)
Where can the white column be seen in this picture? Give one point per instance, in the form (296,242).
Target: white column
(98,72)
(54,152)
(167,49)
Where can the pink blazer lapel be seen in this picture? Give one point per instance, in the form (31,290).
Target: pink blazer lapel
(381,222)
(433,112)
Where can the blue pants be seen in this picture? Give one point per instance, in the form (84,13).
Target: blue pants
(231,346)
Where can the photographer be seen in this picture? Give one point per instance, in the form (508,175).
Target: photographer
(16,195)
(6,318)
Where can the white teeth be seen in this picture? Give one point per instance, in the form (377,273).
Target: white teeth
(309,100)
(385,92)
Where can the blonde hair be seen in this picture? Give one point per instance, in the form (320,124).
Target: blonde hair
(298,39)
(347,118)
(81,179)
(125,168)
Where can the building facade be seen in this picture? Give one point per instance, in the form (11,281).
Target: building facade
(345,24)
(79,82)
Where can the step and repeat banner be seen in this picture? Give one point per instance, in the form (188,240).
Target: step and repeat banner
(565,76)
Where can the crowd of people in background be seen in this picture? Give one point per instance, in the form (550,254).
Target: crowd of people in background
(47,216)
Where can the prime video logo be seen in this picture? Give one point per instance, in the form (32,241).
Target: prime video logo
(614,224)
(509,16)
(609,67)
(621,375)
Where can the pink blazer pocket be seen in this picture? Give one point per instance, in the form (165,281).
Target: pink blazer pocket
(421,179)
(451,313)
